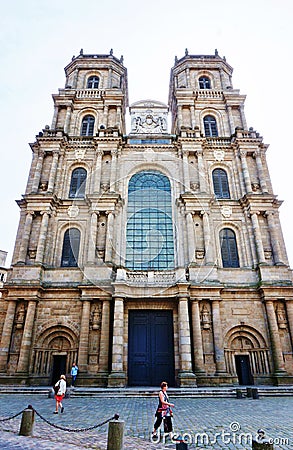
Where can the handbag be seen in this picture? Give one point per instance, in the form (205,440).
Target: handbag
(56,388)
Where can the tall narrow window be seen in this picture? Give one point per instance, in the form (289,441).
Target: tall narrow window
(70,249)
(78,182)
(229,248)
(87,126)
(204,83)
(93,82)
(221,186)
(210,126)
(149,234)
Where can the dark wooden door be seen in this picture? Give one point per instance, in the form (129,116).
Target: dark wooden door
(150,348)
(243,369)
(59,367)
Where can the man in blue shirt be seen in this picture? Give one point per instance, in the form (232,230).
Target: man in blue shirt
(74,371)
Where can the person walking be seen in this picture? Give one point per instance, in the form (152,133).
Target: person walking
(60,394)
(164,411)
(73,373)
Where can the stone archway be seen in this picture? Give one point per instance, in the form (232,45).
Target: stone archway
(247,342)
(56,341)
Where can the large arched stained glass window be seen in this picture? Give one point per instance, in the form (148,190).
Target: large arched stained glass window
(149,234)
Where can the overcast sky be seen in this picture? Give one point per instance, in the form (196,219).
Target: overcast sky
(39,37)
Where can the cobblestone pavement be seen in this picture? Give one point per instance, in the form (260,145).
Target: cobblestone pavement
(205,423)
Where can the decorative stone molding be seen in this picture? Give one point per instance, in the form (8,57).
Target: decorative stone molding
(226,211)
(73,211)
(219,155)
(80,153)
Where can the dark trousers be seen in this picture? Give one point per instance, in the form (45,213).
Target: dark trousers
(167,423)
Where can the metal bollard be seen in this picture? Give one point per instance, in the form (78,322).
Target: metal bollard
(262,445)
(254,392)
(181,445)
(27,422)
(115,435)
(239,393)
(249,392)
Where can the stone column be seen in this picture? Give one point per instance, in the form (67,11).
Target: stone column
(118,117)
(245,171)
(26,342)
(25,237)
(190,237)
(105,116)
(289,309)
(279,365)
(6,334)
(201,172)
(55,116)
(180,119)
(42,237)
(114,154)
(98,169)
(218,338)
(197,338)
(208,244)
(92,239)
(105,338)
(260,172)
(186,171)
(258,238)
(185,375)
(58,184)
(192,113)
(67,120)
(117,376)
(38,172)
(109,237)
(84,336)
(231,120)
(53,172)
(243,120)
(274,238)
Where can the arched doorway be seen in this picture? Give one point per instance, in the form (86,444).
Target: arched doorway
(56,351)
(246,354)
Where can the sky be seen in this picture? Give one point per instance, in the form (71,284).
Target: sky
(39,37)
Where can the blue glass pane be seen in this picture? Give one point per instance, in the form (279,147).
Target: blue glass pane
(149,234)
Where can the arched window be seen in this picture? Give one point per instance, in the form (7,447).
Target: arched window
(93,82)
(87,126)
(204,83)
(229,248)
(70,249)
(149,234)
(78,182)
(220,181)
(210,126)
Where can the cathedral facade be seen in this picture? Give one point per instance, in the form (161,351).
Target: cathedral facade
(150,255)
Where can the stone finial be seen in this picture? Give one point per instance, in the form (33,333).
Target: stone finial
(121,59)
(216,52)
(186,52)
(176,60)
(81,51)
(111,52)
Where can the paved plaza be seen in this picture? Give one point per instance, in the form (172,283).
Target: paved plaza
(205,423)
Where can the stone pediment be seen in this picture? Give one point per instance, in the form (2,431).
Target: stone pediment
(149,117)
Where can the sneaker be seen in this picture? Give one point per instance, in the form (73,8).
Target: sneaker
(55,412)
(62,409)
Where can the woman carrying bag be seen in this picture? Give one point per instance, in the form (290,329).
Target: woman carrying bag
(164,411)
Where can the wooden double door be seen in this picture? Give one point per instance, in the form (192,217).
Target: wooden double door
(150,348)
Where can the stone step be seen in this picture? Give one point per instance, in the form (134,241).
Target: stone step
(213,392)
